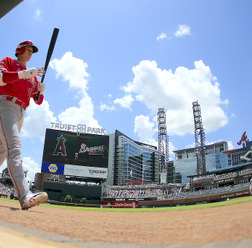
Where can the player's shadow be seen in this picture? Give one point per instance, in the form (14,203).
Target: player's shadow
(19,209)
(14,209)
(11,208)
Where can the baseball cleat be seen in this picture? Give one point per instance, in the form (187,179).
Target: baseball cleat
(32,200)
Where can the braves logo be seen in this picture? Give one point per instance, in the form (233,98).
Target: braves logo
(243,138)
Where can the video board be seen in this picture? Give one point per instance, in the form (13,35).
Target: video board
(71,152)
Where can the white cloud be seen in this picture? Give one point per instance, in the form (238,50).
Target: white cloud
(31,166)
(125,101)
(144,128)
(175,92)
(38,118)
(233,115)
(80,115)
(37,15)
(3,166)
(104,106)
(183,30)
(74,71)
(162,36)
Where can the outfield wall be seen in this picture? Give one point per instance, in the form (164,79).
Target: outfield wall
(58,192)
(194,200)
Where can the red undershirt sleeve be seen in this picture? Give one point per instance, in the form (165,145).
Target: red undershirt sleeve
(10,76)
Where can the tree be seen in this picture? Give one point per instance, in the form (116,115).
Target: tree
(68,198)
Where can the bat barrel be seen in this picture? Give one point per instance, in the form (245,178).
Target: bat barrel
(49,54)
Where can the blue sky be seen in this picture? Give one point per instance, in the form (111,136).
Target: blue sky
(116,62)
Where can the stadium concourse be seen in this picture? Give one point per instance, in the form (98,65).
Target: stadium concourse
(160,194)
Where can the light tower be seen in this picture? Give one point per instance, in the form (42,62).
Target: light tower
(163,144)
(199,134)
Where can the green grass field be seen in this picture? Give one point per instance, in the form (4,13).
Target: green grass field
(163,209)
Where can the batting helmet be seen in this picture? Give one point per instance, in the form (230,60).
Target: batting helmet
(21,47)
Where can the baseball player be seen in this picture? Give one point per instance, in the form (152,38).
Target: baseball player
(18,85)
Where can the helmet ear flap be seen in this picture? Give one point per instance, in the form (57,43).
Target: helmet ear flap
(19,50)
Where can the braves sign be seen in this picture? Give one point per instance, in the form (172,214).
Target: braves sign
(244,139)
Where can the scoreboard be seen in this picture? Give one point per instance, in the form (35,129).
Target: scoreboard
(75,154)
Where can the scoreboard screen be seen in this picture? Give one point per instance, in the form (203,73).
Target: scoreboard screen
(77,149)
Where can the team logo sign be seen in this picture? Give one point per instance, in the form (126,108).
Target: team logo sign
(60,149)
(244,139)
(75,149)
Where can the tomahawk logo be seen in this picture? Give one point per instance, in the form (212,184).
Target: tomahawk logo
(243,139)
(60,149)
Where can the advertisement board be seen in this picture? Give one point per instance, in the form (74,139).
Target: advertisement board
(128,204)
(52,168)
(69,153)
(85,171)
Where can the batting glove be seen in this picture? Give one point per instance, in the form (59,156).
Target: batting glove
(41,87)
(33,72)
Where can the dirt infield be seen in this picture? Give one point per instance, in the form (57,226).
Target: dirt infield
(201,226)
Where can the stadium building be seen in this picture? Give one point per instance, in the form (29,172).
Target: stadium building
(186,161)
(217,157)
(224,167)
(133,163)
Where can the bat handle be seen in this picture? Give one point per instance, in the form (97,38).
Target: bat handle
(38,95)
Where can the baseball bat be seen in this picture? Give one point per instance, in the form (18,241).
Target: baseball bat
(49,55)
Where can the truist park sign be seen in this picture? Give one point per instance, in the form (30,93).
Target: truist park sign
(78,128)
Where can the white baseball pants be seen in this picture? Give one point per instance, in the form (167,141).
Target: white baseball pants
(11,121)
